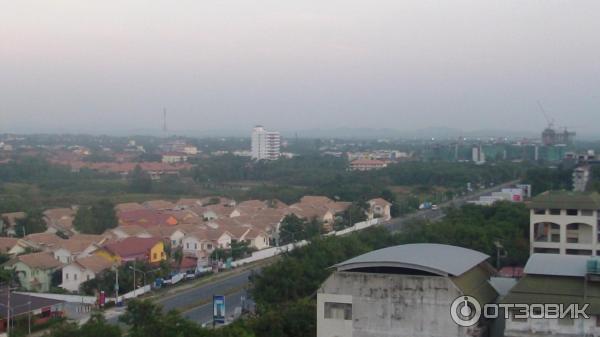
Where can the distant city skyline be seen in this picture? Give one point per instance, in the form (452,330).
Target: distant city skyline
(113,66)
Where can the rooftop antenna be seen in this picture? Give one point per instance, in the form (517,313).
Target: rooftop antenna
(548,119)
(164,128)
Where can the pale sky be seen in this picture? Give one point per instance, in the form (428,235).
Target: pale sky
(230,64)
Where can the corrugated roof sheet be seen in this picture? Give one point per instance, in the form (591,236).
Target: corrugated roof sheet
(434,258)
(566,200)
(557,265)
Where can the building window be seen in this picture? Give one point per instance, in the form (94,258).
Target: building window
(153,256)
(338,311)
(66,276)
(573,226)
(572,212)
(566,321)
(187,245)
(554,211)
(597,321)
(195,246)
(539,211)
(174,242)
(75,277)
(587,212)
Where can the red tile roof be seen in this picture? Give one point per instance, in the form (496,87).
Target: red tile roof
(132,247)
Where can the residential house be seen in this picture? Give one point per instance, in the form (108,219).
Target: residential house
(174,157)
(151,250)
(159,205)
(565,223)
(146,218)
(173,234)
(35,270)
(257,239)
(187,203)
(320,208)
(558,279)
(248,207)
(77,246)
(379,208)
(128,206)
(205,241)
(403,291)
(123,232)
(7,244)
(83,269)
(60,220)
(37,241)
(9,222)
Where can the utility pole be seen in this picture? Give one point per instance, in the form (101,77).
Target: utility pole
(134,284)
(8,309)
(117,286)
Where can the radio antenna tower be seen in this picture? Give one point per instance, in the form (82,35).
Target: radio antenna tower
(164,128)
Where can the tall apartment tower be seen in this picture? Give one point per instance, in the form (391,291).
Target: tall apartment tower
(265,144)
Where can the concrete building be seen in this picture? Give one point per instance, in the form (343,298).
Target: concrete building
(581,176)
(478,156)
(403,291)
(265,144)
(556,279)
(565,223)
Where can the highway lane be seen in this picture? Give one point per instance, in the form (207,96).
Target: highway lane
(203,314)
(397,224)
(200,295)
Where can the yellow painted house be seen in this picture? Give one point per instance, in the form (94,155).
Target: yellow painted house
(149,250)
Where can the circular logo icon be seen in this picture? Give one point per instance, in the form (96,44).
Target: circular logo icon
(465,311)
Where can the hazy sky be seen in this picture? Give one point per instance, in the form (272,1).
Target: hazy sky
(230,64)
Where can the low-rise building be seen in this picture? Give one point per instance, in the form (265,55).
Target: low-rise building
(561,280)
(35,270)
(367,164)
(380,208)
(403,291)
(565,223)
(82,270)
(151,250)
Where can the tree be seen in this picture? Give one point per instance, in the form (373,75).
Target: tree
(139,181)
(96,326)
(357,212)
(32,223)
(97,218)
(291,229)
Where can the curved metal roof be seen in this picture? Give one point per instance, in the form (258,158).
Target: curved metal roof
(433,258)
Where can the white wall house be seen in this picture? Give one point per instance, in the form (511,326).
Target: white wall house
(82,270)
(565,223)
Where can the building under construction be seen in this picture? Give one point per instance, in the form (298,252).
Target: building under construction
(551,136)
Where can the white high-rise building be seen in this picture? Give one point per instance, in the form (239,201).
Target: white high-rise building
(265,144)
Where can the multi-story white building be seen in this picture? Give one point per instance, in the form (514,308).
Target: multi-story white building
(565,223)
(265,144)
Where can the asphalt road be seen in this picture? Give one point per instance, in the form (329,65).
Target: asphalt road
(203,294)
(397,224)
(203,314)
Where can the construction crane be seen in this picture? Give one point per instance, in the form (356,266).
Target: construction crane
(548,119)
